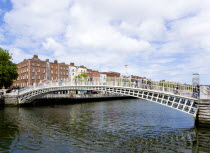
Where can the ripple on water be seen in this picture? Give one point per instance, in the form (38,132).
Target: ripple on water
(112,126)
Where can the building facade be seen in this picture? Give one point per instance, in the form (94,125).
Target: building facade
(111,74)
(76,70)
(32,71)
(93,74)
(103,78)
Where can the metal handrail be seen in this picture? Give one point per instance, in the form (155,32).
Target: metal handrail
(139,84)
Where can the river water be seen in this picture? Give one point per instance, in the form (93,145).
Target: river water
(120,126)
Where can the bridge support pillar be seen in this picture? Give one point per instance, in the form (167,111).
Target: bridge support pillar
(11,100)
(203,114)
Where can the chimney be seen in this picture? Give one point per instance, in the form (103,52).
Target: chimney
(47,60)
(35,57)
(55,61)
(71,64)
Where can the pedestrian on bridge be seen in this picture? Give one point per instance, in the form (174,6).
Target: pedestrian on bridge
(136,85)
(176,89)
(194,92)
(197,91)
(149,84)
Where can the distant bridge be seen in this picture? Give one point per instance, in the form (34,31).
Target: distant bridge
(182,100)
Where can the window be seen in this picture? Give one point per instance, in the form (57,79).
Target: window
(43,71)
(38,76)
(51,72)
(43,77)
(38,70)
(32,64)
(32,77)
(32,69)
(38,64)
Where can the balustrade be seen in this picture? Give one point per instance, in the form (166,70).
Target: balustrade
(165,87)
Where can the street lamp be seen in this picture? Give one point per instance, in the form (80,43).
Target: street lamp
(126,66)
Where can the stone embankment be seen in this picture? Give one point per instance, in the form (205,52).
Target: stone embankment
(203,115)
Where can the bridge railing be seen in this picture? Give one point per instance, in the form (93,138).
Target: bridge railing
(166,87)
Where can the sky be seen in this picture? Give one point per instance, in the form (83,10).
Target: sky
(161,39)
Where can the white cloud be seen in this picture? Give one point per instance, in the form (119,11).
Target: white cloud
(157,39)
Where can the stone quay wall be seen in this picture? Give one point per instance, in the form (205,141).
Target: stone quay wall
(11,100)
(203,115)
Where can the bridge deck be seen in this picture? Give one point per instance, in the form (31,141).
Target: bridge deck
(181,100)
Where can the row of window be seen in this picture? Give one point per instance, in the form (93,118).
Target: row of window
(22,77)
(64,68)
(37,70)
(22,71)
(44,65)
(20,66)
(32,77)
(38,77)
(62,73)
(42,77)
(34,64)
(43,71)
(23,84)
(61,78)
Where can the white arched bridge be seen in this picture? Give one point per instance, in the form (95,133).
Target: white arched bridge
(177,98)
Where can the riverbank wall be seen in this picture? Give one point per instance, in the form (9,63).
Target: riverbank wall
(203,114)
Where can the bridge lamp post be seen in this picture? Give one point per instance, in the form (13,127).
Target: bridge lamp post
(126,66)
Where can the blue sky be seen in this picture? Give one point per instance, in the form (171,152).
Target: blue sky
(157,39)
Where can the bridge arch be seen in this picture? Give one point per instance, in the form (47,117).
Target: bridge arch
(181,103)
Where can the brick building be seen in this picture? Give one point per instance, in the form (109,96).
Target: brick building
(112,74)
(93,73)
(34,70)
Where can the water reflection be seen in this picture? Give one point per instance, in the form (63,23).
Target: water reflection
(115,126)
(203,140)
(8,130)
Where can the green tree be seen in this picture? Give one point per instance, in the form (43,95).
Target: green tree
(8,69)
(82,76)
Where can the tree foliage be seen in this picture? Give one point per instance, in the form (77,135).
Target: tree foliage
(8,69)
(82,76)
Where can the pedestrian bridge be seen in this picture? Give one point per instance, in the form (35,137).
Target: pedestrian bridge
(180,100)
